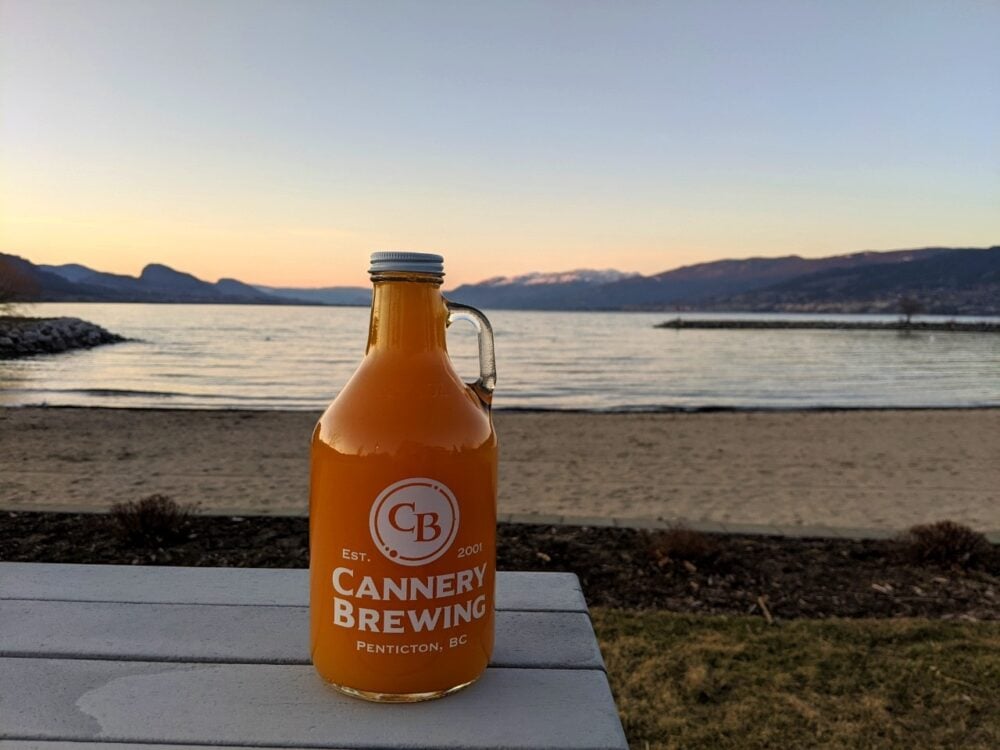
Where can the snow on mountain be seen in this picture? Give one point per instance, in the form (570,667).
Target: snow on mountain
(577,276)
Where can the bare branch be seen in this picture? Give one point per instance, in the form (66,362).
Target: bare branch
(16,286)
(910,306)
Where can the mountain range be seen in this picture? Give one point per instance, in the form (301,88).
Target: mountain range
(947,281)
(73,282)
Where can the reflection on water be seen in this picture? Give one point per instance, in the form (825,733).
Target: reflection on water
(299,357)
(14,378)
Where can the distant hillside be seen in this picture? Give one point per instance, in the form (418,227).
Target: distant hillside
(327,295)
(157,283)
(952,282)
(692,285)
(23,281)
(946,281)
(74,282)
(538,291)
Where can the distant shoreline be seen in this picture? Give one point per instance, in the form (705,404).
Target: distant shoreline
(638,411)
(951,326)
(661,310)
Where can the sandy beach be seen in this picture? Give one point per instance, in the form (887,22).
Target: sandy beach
(853,469)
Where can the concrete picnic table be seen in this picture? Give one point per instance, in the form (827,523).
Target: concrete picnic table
(92,656)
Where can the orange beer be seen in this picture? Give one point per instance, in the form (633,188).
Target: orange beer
(402,507)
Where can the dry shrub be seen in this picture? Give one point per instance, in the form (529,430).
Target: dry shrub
(679,543)
(152,521)
(945,543)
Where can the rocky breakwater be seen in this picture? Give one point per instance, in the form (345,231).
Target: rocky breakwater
(24,337)
(913,326)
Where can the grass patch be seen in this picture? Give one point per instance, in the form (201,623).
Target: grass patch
(683,681)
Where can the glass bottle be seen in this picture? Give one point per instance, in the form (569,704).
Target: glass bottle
(402,508)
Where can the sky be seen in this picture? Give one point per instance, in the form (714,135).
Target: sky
(281,142)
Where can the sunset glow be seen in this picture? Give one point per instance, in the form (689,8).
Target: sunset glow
(280,143)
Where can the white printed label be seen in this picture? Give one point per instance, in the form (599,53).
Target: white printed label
(414,521)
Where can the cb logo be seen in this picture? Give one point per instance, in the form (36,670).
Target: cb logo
(414,521)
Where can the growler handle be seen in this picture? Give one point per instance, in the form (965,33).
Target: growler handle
(487,358)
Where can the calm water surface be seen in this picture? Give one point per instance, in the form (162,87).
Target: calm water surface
(225,356)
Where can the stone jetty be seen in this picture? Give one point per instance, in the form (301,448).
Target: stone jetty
(834,325)
(24,337)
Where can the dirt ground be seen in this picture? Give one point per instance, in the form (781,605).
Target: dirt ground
(773,577)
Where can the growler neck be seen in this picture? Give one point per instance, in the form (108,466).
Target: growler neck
(408,314)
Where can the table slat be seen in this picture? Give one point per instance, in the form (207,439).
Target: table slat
(559,592)
(225,633)
(71,745)
(288,705)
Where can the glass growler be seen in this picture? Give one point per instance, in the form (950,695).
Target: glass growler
(402,506)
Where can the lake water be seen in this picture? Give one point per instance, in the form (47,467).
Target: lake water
(226,356)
